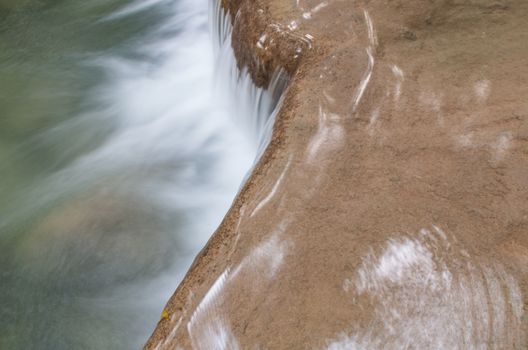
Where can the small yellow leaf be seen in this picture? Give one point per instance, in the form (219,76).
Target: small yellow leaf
(164,315)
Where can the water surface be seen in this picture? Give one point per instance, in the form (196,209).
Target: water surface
(116,164)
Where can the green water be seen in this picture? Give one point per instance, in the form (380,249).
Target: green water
(45,80)
(70,250)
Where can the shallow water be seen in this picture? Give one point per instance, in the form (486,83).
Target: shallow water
(117,162)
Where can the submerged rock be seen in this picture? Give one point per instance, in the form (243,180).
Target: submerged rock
(97,241)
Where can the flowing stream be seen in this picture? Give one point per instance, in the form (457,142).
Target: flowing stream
(117,162)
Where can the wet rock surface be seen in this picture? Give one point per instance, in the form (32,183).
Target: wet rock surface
(390,209)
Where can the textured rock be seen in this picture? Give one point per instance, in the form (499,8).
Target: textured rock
(390,210)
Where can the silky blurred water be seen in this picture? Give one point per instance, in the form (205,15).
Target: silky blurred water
(117,162)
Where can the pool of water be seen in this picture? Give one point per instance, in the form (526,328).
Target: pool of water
(117,162)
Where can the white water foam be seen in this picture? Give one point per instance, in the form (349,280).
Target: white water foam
(255,107)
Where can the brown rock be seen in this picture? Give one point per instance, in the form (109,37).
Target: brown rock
(390,210)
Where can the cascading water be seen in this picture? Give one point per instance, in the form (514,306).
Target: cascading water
(257,107)
(117,162)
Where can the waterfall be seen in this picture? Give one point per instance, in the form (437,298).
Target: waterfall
(257,107)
